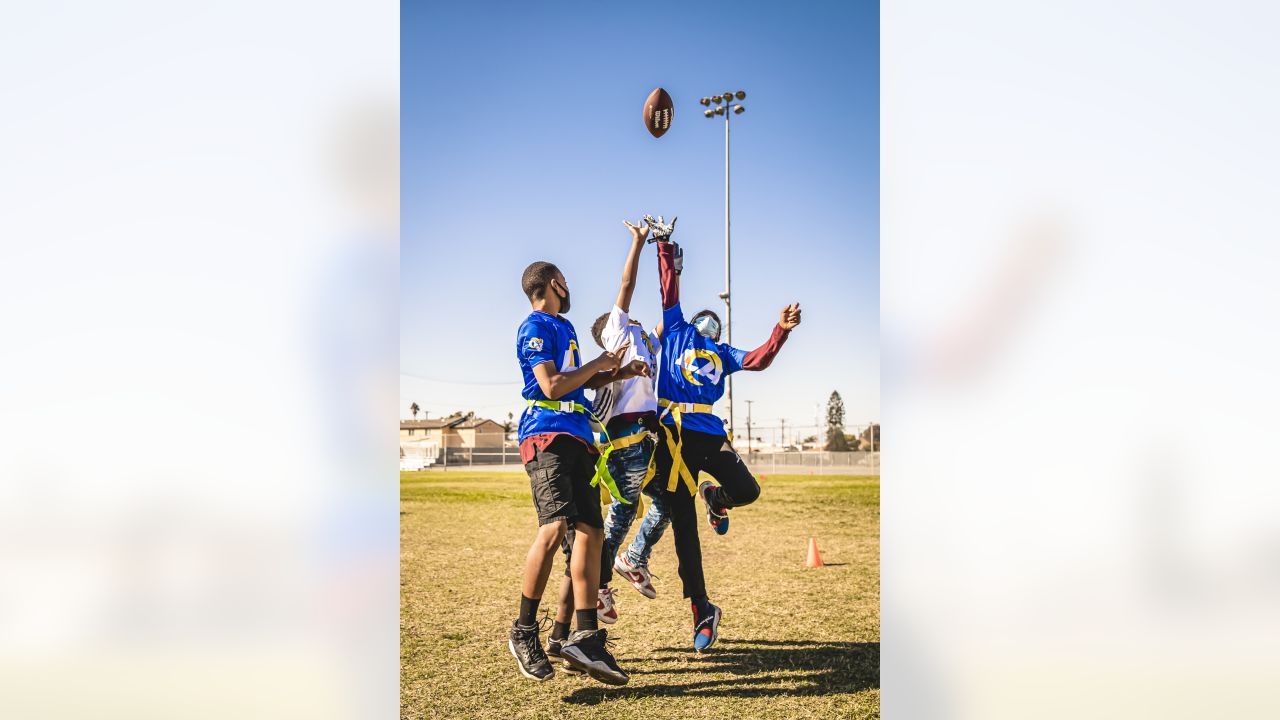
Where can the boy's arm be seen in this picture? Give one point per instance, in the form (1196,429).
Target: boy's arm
(596,373)
(762,357)
(632,266)
(668,279)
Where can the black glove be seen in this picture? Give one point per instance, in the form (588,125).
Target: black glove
(660,231)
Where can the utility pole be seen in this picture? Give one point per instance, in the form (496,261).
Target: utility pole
(749,427)
(784,433)
(711,112)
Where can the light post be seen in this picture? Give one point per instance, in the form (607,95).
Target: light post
(725,110)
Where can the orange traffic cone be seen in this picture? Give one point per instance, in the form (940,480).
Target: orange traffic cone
(814,559)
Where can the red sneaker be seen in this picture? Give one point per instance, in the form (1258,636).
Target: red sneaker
(605,609)
(637,575)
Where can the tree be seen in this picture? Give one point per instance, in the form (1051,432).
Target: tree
(836,441)
(869,439)
(415,410)
(506,427)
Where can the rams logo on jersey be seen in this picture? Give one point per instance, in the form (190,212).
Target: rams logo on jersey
(710,367)
(535,344)
(571,359)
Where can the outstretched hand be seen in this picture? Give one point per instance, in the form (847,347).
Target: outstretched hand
(638,234)
(635,368)
(661,230)
(610,361)
(790,316)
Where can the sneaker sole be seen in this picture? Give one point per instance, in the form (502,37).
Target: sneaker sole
(604,676)
(569,670)
(512,647)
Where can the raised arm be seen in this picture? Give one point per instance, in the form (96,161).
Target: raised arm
(762,357)
(668,279)
(628,286)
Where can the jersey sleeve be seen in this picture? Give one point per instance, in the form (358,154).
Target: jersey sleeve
(731,357)
(535,343)
(613,334)
(672,319)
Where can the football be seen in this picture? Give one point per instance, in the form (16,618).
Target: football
(659,111)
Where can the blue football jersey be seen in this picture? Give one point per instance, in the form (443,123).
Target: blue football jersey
(549,338)
(692,369)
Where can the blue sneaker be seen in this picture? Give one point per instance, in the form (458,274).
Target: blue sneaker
(706,628)
(719,520)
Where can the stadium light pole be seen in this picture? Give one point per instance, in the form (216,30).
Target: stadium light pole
(726,110)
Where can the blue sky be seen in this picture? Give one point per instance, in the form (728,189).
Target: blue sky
(522,140)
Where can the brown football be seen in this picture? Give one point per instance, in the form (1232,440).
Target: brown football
(659,111)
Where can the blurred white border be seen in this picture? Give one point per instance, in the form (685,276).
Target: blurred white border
(198,227)
(1080,512)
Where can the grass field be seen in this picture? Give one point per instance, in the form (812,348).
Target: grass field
(794,642)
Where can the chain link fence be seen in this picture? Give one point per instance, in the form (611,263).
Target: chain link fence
(794,462)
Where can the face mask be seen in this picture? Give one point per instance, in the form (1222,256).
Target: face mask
(707,327)
(564,300)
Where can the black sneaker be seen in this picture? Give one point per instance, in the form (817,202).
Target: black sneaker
(553,651)
(527,649)
(717,519)
(586,650)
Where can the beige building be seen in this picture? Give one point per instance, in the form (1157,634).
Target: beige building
(454,432)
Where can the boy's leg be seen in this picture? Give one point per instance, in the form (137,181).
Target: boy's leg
(737,485)
(684,521)
(629,466)
(586,648)
(551,481)
(655,522)
(564,605)
(584,565)
(537,567)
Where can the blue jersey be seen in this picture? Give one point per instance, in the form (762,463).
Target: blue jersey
(549,338)
(692,369)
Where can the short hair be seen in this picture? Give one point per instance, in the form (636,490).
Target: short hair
(597,329)
(713,314)
(537,277)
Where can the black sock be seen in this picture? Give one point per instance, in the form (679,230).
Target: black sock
(586,619)
(701,606)
(560,630)
(528,611)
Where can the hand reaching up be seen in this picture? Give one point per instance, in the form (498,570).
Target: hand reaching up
(790,316)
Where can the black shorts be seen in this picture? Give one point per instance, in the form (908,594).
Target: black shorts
(560,477)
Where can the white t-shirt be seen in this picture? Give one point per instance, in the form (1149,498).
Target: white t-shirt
(633,395)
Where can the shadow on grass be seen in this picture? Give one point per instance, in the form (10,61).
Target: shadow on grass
(761,668)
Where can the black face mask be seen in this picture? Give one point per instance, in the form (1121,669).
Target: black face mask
(564,301)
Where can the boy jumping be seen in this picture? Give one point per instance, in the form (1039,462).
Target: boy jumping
(690,374)
(558,450)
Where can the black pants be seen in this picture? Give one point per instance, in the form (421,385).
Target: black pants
(702,453)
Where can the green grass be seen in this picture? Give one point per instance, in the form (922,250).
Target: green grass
(794,642)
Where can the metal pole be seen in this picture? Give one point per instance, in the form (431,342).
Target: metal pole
(728,287)
(749,427)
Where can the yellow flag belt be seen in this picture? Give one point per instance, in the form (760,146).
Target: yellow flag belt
(603,478)
(675,442)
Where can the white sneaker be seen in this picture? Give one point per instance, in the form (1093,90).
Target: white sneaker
(637,575)
(605,609)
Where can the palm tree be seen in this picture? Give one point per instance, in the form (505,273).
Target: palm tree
(414,409)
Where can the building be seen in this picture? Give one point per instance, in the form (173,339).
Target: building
(458,432)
